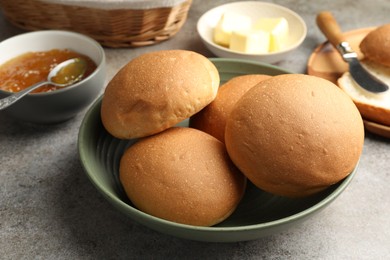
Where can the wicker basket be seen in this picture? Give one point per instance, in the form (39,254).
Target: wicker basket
(112,28)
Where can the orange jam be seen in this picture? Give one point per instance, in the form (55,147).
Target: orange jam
(33,67)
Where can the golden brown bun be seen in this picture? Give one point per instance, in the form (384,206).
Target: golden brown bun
(212,119)
(182,175)
(294,135)
(376,45)
(374,107)
(156,91)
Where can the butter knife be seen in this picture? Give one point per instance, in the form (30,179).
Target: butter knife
(329,27)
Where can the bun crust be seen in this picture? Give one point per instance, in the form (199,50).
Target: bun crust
(212,119)
(294,135)
(376,45)
(182,175)
(156,91)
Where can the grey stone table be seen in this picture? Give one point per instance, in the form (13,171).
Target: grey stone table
(50,210)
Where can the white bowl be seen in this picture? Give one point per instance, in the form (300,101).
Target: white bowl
(62,104)
(254,10)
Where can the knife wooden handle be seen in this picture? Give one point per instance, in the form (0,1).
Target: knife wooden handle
(330,28)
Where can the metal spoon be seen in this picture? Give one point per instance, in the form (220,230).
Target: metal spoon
(64,74)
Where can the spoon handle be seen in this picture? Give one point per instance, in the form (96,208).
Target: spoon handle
(7,101)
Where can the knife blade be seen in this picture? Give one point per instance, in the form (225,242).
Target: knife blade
(330,28)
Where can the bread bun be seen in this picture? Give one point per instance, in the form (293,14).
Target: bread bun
(294,135)
(376,45)
(372,106)
(182,175)
(212,119)
(157,90)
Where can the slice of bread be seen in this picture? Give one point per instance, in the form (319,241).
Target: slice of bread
(372,106)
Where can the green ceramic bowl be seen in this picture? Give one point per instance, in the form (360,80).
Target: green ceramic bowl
(259,213)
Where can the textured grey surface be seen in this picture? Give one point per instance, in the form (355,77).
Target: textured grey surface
(50,210)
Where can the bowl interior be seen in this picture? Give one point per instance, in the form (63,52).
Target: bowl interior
(50,39)
(258,214)
(254,10)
